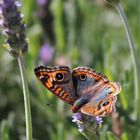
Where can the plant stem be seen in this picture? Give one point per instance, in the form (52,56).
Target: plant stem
(92,135)
(57,10)
(132,50)
(26,98)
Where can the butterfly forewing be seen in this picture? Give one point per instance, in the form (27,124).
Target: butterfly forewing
(91,84)
(58,80)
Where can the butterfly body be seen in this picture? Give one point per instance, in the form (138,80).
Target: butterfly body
(85,89)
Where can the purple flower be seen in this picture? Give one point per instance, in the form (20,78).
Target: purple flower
(42,2)
(98,120)
(85,122)
(46,53)
(81,128)
(77,117)
(13,27)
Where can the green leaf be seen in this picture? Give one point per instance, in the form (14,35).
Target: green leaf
(4,130)
(110,136)
(124,136)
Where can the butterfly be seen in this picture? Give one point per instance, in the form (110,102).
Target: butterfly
(87,90)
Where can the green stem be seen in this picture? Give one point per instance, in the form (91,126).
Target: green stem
(57,10)
(92,135)
(97,135)
(26,98)
(132,50)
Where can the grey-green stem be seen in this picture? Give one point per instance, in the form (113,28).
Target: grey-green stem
(132,50)
(92,135)
(26,98)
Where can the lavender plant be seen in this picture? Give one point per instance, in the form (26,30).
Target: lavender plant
(119,8)
(88,125)
(13,28)
(46,53)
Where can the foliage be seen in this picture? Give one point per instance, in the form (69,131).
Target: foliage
(81,33)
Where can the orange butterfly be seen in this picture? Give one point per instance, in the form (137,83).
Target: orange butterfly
(88,91)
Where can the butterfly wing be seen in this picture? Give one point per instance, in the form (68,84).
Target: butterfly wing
(94,84)
(88,81)
(58,80)
(102,108)
(93,88)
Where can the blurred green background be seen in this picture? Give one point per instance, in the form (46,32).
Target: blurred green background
(76,33)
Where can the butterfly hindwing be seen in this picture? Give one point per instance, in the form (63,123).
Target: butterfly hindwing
(58,80)
(102,108)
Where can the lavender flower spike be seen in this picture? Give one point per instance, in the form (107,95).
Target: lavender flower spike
(87,124)
(46,53)
(77,118)
(13,27)
(14,30)
(99,120)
